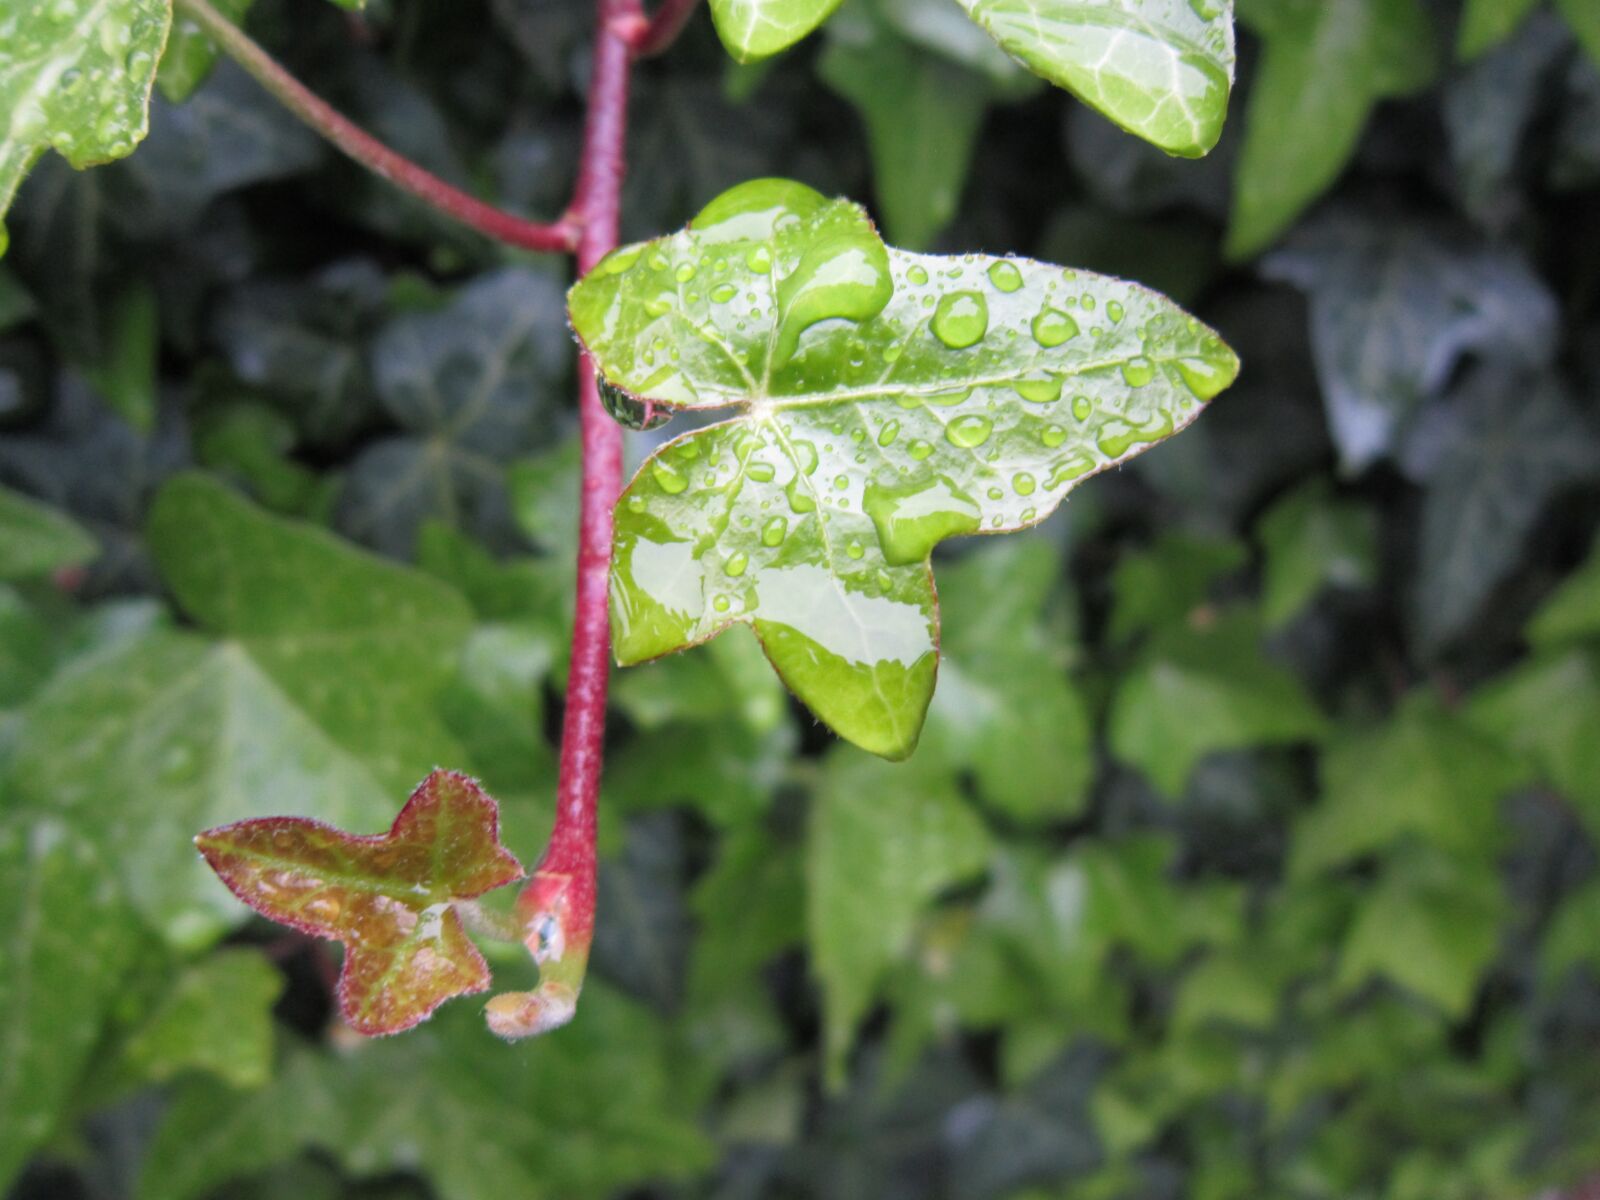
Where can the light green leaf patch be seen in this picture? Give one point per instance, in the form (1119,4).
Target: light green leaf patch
(756,29)
(1161,69)
(75,77)
(35,539)
(888,400)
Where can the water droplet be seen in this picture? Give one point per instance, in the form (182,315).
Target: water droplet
(724,292)
(1204,377)
(721,603)
(1081,407)
(840,482)
(1052,436)
(911,520)
(961,319)
(920,449)
(799,496)
(636,504)
(1028,514)
(1076,465)
(1088,302)
(736,564)
(774,531)
(1023,483)
(855,549)
(1115,312)
(684,273)
(1005,276)
(618,261)
(996,493)
(1052,327)
(969,431)
(890,431)
(1040,387)
(845,275)
(658,261)
(805,456)
(669,478)
(948,399)
(1118,435)
(1138,371)
(917,275)
(759,260)
(761,472)
(138,62)
(660,304)
(892,353)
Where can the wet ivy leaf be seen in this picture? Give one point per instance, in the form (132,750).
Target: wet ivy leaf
(1325,65)
(36,539)
(1514,445)
(388,897)
(1195,691)
(922,115)
(883,842)
(217,1018)
(890,400)
(77,80)
(1159,68)
(1423,773)
(65,941)
(581,1115)
(1314,541)
(757,29)
(1395,306)
(1431,925)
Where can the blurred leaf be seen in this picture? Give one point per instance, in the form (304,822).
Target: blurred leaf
(1487,23)
(884,841)
(1241,989)
(216,1018)
(642,943)
(1195,691)
(1572,612)
(190,54)
(731,679)
(250,443)
(65,940)
(126,379)
(750,906)
(1513,446)
(757,29)
(922,115)
(1324,66)
(1161,69)
(36,540)
(946,30)
(573,1116)
(1162,586)
(1573,938)
(1423,773)
(1006,708)
(1395,306)
(1313,541)
(722,769)
(1431,925)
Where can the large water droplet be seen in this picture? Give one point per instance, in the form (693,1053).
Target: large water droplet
(724,292)
(1052,436)
(1076,465)
(1082,407)
(754,211)
(1115,312)
(759,260)
(1052,327)
(911,520)
(961,319)
(890,431)
(684,273)
(669,477)
(761,472)
(969,431)
(618,261)
(844,275)
(917,275)
(1023,483)
(774,531)
(1138,372)
(1204,377)
(920,449)
(1040,387)
(736,564)
(1118,435)
(1005,276)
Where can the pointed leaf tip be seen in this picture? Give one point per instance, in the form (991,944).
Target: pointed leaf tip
(387,897)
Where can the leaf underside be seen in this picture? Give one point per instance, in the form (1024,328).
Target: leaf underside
(387,897)
(886,401)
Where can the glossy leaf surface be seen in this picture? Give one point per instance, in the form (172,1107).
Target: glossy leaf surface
(1161,69)
(75,78)
(889,400)
(386,897)
(757,29)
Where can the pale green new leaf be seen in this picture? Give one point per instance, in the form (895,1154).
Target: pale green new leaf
(75,77)
(756,29)
(1325,65)
(887,401)
(1161,69)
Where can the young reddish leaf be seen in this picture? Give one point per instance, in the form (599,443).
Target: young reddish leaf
(387,897)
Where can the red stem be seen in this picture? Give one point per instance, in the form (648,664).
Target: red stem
(666,23)
(561,236)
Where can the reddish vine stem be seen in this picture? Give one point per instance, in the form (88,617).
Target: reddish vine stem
(666,23)
(559,236)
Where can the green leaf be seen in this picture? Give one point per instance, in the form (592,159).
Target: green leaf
(1573,938)
(1584,17)
(1487,23)
(888,401)
(126,377)
(1325,64)
(1312,542)
(389,898)
(1572,613)
(1159,68)
(77,80)
(922,114)
(1006,707)
(1431,925)
(757,29)
(1164,585)
(596,1110)
(36,540)
(1422,772)
(883,842)
(65,941)
(190,54)
(217,1018)
(1196,691)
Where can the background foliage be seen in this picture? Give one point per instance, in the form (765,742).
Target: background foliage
(1251,849)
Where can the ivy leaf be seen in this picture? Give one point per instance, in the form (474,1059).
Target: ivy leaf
(190,52)
(387,897)
(1423,772)
(1313,541)
(1199,690)
(756,29)
(1487,23)
(883,842)
(66,940)
(1161,69)
(36,540)
(1572,613)
(77,79)
(1325,65)
(889,400)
